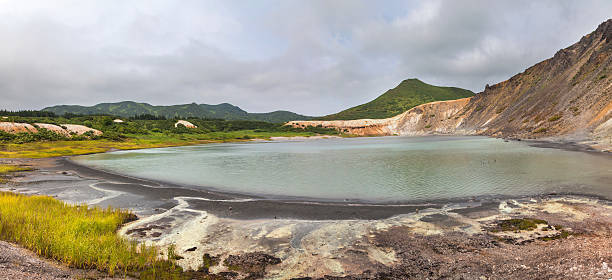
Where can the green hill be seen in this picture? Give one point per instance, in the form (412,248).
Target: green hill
(221,111)
(409,93)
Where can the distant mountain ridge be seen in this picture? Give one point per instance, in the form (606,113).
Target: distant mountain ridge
(220,111)
(408,94)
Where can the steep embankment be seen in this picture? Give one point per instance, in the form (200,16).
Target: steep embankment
(567,95)
(408,94)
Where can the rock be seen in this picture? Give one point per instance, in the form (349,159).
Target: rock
(252,263)
(185,124)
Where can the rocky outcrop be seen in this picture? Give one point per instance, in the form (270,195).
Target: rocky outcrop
(12,127)
(185,124)
(431,118)
(80,129)
(568,95)
(65,129)
(54,128)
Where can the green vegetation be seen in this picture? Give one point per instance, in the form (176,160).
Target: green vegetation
(137,134)
(540,130)
(79,236)
(6,169)
(518,224)
(563,234)
(554,118)
(406,95)
(221,111)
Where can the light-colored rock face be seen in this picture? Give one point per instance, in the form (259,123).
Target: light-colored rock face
(64,129)
(12,127)
(117,121)
(80,129)
(185,124)
(54,128)
(431,118)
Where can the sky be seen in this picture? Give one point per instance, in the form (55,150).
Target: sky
(312,57)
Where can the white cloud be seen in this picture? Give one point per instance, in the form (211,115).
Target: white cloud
(312,57)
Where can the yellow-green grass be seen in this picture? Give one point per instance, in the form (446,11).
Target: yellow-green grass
(78,236)
(46,149)
(6,169)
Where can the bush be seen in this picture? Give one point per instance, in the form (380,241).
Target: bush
(114,136)
(26,137)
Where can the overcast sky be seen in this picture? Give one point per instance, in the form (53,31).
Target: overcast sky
(310,57)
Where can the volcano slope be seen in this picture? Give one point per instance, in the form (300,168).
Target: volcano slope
(567,96)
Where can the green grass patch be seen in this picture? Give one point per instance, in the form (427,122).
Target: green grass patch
(518,224)
(79,236)
(5,170)
(562,235)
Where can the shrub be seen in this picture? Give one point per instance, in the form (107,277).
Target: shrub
(114,136)
(540,130)
(554,118)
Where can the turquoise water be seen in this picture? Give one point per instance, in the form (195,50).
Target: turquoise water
(379,169)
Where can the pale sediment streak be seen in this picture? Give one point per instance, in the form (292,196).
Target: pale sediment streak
(111,194)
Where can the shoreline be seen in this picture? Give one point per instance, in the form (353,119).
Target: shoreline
(249,206)
(376,248)
(340,239)
(246,206)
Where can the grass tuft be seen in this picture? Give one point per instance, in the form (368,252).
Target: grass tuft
(79,236)
(6,169)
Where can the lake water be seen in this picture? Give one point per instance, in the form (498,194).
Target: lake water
(377,169)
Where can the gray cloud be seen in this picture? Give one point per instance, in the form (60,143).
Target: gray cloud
(311,57)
